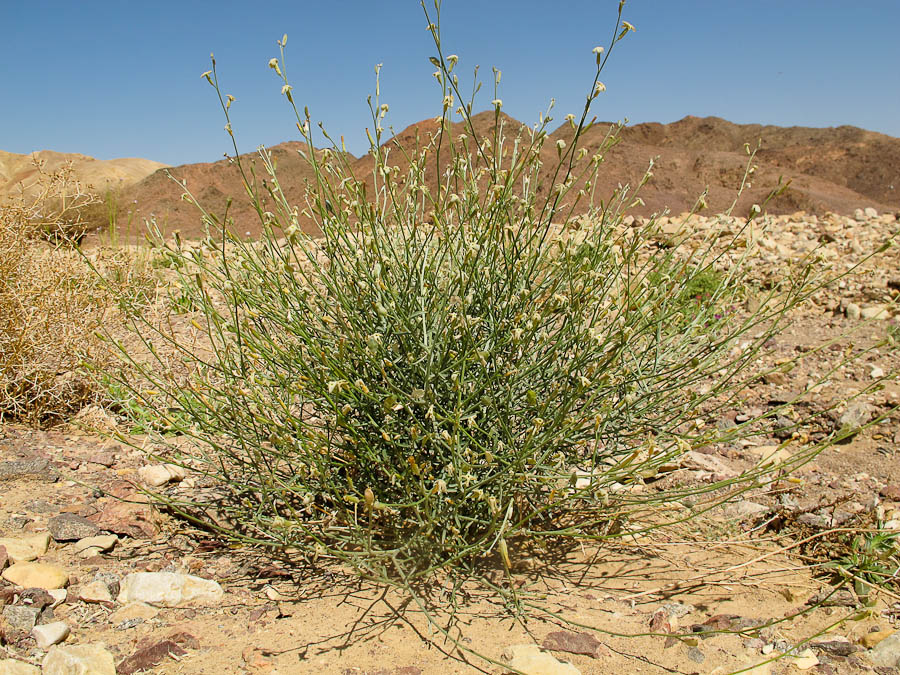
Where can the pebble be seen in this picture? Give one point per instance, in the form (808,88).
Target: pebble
(49,634)
(887,651)
(157,475)
(96,591)
(853,311)
(21,617)
(36,575)
(88,659)
(59,596)
(806,660)
(875,313)
(91,546)
(71,527)
(169,589)
(531,659)
(35,467)
(13,667)
(26,549)
(854,418)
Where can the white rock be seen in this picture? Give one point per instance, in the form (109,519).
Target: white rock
(169,589)
(160,474)
(805,660)
(49,634)
(876,372)
(96,591)
(532,660)
(13,667)
(89,659)
(36,575)
(101,542)
(852,311)
(59,596)
(870,212)
(875,312)
(887,652)
(26,549)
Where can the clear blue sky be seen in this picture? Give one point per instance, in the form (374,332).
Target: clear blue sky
(122,78)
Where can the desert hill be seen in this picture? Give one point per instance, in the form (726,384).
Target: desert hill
(97,175)
(832,169)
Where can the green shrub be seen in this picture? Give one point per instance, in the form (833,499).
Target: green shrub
(460,365)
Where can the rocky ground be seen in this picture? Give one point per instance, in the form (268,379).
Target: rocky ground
(97,580)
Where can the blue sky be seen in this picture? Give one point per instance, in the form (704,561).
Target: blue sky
(122,79)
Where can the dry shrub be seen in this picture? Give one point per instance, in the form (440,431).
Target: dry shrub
(51,301)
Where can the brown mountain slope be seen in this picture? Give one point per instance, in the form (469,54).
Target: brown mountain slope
(833,169)
(97,175)
(159,196)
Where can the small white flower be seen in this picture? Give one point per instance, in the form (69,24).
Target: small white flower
(598,50)
(599,88)
(497,103)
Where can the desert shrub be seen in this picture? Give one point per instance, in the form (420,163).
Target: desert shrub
(459,365)
(52,301)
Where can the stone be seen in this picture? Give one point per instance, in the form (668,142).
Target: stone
(126,518)
(869,212)
(25,549)
(158,475)
(169,589)
(852,311)
(36,575)
(59,595)
(805,660)
(887,651)
(70,527)
(869,640)
(854,418)
(87,659)
(100,543)
(575,643)
(149,657)
(875,313)
(96,591)
(21,617)
(35,467)
(13,667)
(49,634)
(4,558)
(531,660)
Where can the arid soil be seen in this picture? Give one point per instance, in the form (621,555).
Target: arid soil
(740,585)
(834,169)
